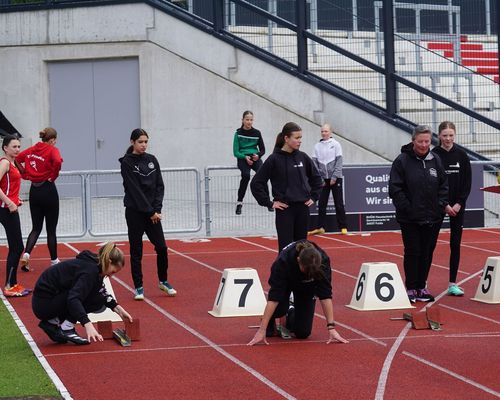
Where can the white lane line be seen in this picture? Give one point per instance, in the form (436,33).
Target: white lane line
(470,313)
(350,328)
(453,374)
(203,338)
(212,345)
(382,381)
(36,351)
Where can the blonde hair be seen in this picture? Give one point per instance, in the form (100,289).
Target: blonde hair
(110,254)
(47,134)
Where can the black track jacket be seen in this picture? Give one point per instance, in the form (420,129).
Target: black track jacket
(418,187)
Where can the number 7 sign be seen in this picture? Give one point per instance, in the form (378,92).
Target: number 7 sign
(240,294)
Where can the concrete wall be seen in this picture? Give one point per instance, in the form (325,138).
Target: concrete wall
(194,87)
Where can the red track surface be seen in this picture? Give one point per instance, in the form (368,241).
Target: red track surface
(184,353)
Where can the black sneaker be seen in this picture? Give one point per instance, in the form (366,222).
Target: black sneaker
(238,209)
(424,295)
(412,295)
(54,332)
(73,337)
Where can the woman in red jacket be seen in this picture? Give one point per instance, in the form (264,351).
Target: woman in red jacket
(10,182)
(42,163)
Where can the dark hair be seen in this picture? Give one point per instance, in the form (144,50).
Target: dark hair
(136,134)
(47,134)
(287,131)
(445,125)
(245,113)
(110,254)
(310,260)
(7,139)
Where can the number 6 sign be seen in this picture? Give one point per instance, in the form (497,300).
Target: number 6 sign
(379,287)
(488,290)
(240,294)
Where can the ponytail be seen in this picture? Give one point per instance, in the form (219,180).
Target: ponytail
(110,254)
(288,129)
(310,260)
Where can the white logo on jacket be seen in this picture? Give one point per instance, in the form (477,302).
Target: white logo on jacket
(433,172)
(299,165)
(151,165)
(138,170)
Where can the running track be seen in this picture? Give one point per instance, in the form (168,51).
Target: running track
(184,353)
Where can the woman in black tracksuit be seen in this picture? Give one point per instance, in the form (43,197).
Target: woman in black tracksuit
(457,166)
(143,202)
(66,292)
(302,268)
(296,185)
(419,191)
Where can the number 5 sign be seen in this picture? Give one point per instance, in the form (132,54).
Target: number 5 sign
(488,290)
(240,294)
(379,287)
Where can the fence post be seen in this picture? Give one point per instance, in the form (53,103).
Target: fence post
(300,17)
(207,202)
(218,13)
(390,67)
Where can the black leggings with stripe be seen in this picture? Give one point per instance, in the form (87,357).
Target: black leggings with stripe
(12,226)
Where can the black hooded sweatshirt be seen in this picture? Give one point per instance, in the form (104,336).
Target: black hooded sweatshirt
(457,166)
(418,187)
(143,183)
(81,278)
(294,178)
(287,277)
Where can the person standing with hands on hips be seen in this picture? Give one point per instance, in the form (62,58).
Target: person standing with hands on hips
(457,166)
(302,268)
(248,148)
(419,191)
(143,202)
(42,163)
(328,160)
(295,182)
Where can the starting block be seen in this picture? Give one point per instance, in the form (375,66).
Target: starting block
(121,337)
(379,287)
(107,314)
(128,334)
(240,294)
(488,290)
(430,320)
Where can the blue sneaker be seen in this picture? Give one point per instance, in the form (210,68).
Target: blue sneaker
(167,288)
(139,293)
(455,290)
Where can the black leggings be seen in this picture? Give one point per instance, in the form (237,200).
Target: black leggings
(12,226)
(419,243)
(338,199)
(139,223)
(57,306)
(456,229)
(301,319)
(44,205)
(291,224)
(245,175)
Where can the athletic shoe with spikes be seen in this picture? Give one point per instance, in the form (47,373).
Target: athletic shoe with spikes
(455,290)
(16,291)
(139,293)
(73,337)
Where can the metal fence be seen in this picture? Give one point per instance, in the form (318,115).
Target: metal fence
(91,204)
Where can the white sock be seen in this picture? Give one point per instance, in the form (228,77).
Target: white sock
(54,262)
(54,321)
(26,256)
(451,284)
(67,325)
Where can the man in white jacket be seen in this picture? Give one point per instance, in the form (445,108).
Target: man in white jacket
(327,157)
